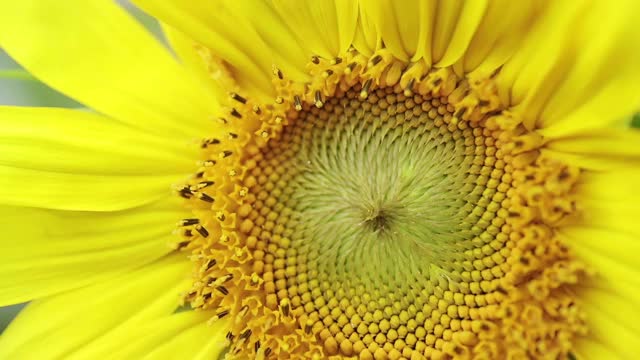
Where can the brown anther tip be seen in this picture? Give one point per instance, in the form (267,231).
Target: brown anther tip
(237,98)
(223,290)
(277,72)
(376,59)
(257,110)
(327,73)
(297,103)
(233,135)
(236,113)
(336,61)
(318,100)
(206,198)
(225,154)
(202,231)
(187,222)
(315,59)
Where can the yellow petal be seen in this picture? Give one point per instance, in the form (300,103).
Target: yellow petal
(68,322)
(446,18)
(184,335)
(611,333)
(588,349)
(85,192)
(597,149)
(578,69)
(73,141)
(94,52)
(498,35)
(347,16)
(471,15)
(314,22)
(44,252)
(189,53)
(366,38)
(231,38)
(281,45)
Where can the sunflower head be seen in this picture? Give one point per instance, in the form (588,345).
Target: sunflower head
(383,209)
(368,180)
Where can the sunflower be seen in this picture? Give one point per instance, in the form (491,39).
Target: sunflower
(372,180)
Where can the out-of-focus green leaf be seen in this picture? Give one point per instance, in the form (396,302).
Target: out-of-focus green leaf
(635,121)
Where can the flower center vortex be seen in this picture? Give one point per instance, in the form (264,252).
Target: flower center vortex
(364,207)
(381,217)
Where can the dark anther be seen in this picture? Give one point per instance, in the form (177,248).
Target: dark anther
(185,193)
(307,328)
(204,184)
(188,233)
(221,217)
(256,110)
(318,98)
(207,142)
(226,153)
(228,277)
(278,73)
(222,314)
(230,336)
(210,263)
(410,85)
(202,231)
(233,136)
(352,66)
(256,346)
(337,60)
(460,112)
(222,120)
(246,334)
(183,244)
(238,98)
(315,59)
(483,102)
(367,85)
(223,290)
(205,197)
(200,174)
(187,222)
(267,352)
(376,59)
(297,102)
(437,81)
(328,72)
(235,113)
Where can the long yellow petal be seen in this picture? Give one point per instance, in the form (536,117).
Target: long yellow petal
(80,142)
(85,192)
(578,68)
(470,17)
(231,38)
(315,23)
(68,322)
(94,52)
(190,54)
(43,252)
(596,149)
(184,335)
(498,35)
